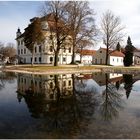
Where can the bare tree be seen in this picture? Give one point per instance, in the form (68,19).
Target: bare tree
(33,35)
(111,31)
(81,45)
(82,23)
(59,30)
(7,51)
(10,50)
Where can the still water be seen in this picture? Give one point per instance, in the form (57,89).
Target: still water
(77,106)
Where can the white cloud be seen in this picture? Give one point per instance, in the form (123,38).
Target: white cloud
(127,10)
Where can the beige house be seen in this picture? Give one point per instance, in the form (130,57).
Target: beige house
(115,57)
(136,58)
(44,53)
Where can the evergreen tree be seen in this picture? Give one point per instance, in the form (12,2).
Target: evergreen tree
(128,59)
(118,47)
(128,84)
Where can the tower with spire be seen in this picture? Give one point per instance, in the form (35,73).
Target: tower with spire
(18,33)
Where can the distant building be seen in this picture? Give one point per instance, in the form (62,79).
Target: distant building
(136,57)
(44,53)
(85,56)
(115,57)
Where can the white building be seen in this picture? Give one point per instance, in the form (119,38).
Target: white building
(115,57)
(44,53)
(86,56)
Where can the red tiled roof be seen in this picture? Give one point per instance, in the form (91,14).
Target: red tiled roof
(117,53)
(114,52)
(87,52)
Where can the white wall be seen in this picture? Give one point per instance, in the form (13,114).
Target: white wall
(86,59)
(100,57)
(116,61)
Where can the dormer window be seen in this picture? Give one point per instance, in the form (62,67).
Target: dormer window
(44,25)
(51,48)
(18,42)
(69,50)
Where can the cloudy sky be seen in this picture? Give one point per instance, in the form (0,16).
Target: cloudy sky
(14,14)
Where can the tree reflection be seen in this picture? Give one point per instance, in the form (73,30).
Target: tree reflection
(112,101)
(6,77)
(128,84)
(65,112)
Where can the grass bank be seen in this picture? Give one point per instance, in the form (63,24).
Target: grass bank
(63,69)
(43,69)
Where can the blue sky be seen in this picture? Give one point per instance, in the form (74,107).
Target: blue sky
(14,14)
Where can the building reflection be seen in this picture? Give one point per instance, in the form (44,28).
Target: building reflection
(67,102)
(110,99)
(56,100)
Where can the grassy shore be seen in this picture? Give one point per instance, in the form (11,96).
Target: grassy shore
(44,69)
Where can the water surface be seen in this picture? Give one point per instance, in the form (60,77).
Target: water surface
(95,105)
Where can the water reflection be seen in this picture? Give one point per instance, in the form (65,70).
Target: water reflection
(128,84)
(71,93)
(65,106)
(57,100)
(111,100)
(6,77)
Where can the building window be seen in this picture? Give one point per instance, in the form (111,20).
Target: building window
(18,42)
(24,60)
(24,51)
(64,83)
(95,61)
(21,80)
(51,59)
(51,48)
(100,61)
(64,59)
(100,51)
(19,52)
(40,48)
(51,85)
(39,59)
(69,50)
(21,42)
(25,81)
(64,49)
(113,59)
(35,50)
(31,59)
(69,83)
(35,83)
(35,59)
(117,60)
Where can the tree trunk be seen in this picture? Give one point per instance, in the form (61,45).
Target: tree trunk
(73,57)
(106,61)
(56,58)
(33,55)
(73,52)
(107,52)
(80,58)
